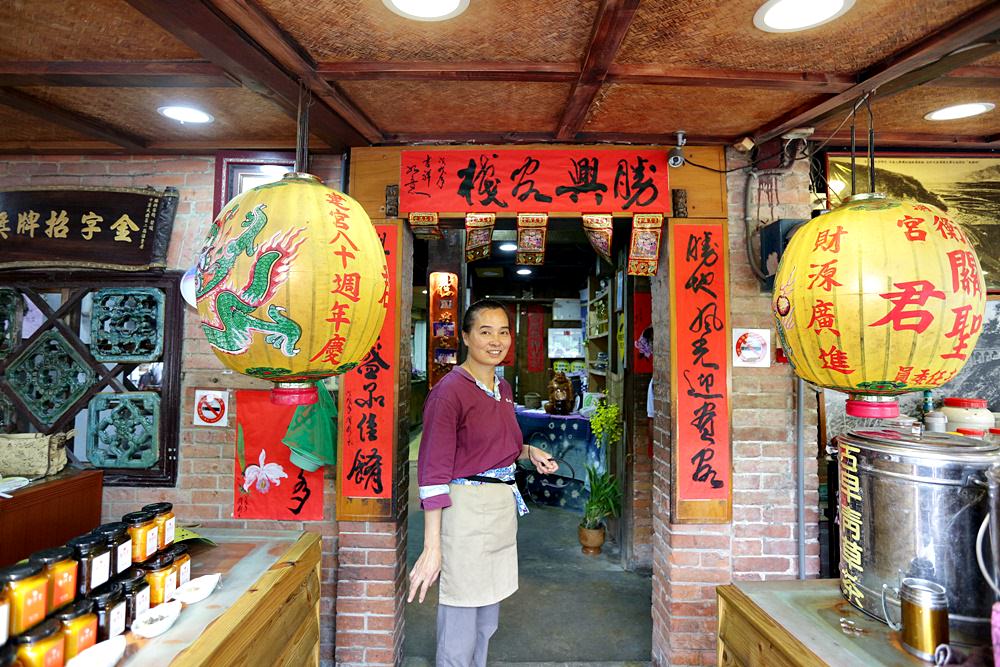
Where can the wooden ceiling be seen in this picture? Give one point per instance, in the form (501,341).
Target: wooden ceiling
(88,75)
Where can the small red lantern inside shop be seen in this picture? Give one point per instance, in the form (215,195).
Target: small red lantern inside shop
(878,298)
(292,285)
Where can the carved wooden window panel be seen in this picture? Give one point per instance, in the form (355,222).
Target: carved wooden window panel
(92,336)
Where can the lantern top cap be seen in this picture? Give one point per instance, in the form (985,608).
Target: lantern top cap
(300,176)
(864,196)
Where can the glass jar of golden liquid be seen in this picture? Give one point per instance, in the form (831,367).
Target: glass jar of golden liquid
(162,578)
(41,646)
(79,626)
(60,569)
(165,520)
(144,533)
(25,587)
(182,561)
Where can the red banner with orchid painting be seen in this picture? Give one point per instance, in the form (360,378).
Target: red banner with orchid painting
(499,180)
(266,485)
(699,324)
(368,399)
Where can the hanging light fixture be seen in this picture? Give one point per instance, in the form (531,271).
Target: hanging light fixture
(878,297)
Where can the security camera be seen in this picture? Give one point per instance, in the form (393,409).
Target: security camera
(675,158)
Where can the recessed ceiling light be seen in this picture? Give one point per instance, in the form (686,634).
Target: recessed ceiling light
(186,114)
(793,15)
(427,10)
(960,111)
(524,272)
(508,247)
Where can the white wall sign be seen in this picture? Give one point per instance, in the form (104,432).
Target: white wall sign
(752,347)
(211,407)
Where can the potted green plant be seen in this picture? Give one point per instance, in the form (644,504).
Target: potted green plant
(605,501)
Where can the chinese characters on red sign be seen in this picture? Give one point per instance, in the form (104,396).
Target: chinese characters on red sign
(703,467)
(532,180)
(367,420)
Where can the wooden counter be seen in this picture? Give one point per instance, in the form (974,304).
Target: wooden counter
(265,611)
(48,512)
(801,623)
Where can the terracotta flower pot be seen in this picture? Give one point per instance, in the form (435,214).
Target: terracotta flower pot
(591,539)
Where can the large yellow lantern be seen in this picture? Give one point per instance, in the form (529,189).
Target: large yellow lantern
(292,285)
(877,298)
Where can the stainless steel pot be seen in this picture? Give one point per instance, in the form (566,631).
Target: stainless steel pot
(911,506)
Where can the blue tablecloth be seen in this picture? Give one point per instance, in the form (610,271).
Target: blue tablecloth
(570,440)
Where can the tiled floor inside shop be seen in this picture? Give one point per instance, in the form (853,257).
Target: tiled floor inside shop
(570,609)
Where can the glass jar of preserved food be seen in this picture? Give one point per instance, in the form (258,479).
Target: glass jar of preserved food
(142,528)
(162,578)
(7,655)
(4,617)
(136,590)
(26,588)
(93,559)
(182,561)
(41,646)
(109,605)
(79,626)
(120,543)
(165,520)
(60,568)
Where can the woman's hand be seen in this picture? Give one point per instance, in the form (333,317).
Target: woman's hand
(425,573)
(544,464)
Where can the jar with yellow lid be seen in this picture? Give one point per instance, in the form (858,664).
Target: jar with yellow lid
(26,588)
(145,535)
(120,543)
(165,521)
(162,578)
(79,626)
(41,646)
(60,569)
(93,559)
(182,561)
(109,605)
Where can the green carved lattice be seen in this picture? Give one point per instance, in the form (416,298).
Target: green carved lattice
(49,377)
(7,415)
(11,311)
(127,324)
(123,430)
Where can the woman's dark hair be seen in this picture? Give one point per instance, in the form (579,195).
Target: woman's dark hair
(483,304)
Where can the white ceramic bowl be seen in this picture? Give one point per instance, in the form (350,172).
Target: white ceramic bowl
(157,620)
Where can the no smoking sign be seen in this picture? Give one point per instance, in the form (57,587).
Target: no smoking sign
(211,408)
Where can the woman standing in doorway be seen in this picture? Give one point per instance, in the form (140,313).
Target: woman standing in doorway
(465,470)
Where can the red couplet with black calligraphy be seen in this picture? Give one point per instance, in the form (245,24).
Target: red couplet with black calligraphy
(700,368)
(367,407)
(529,180)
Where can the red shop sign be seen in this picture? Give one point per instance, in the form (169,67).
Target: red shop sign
(509,181)
(367,425)
(700,383)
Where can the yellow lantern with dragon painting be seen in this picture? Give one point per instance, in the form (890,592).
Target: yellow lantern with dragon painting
(877,298)
(292,285)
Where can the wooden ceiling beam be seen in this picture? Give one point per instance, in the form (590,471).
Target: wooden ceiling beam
(916,140)
(973,76)
(249,16)
(52,113)
(664,139)
(217,40)
(927,59)
(613,21)
(449,71)
(727,78)
(115,74)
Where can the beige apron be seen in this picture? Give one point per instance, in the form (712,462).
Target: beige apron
(478,545)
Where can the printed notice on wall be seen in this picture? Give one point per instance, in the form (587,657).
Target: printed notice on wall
(211,408)
(752,348)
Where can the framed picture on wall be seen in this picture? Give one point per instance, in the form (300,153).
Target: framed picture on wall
(966,186)
(238,171)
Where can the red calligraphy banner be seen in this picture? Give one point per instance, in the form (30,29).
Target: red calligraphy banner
(266,484)
(500,180)
(367,428)
(535,339)
(700,382)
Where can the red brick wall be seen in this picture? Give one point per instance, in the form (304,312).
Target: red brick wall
(689,561)
(204,491)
